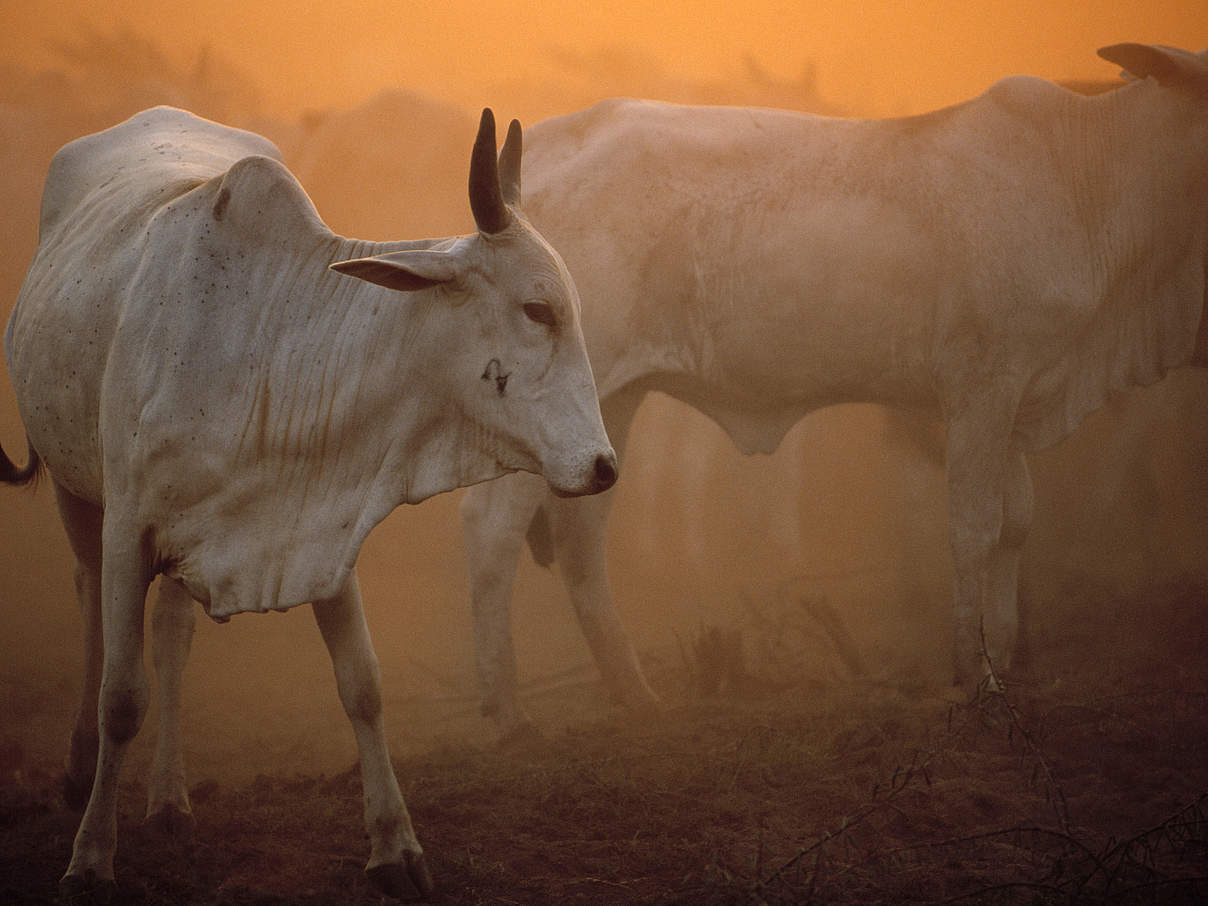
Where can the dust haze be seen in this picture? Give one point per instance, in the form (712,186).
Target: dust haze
(393,167)
(849,512)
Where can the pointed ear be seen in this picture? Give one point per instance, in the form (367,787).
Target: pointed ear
(1167,65)
(408,270)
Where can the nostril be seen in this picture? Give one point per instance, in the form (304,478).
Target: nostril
(606,472)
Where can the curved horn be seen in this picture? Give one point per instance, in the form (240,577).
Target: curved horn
(486,200)
(509,164)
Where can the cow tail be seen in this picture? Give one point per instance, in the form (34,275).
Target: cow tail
(11,474)
(540,538)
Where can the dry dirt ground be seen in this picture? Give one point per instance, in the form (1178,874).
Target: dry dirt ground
(1087,782)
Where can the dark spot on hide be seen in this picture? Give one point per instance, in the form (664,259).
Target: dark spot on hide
(494,372)
(220,205)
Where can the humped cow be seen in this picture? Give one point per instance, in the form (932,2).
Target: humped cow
(1005,264)
(216,402)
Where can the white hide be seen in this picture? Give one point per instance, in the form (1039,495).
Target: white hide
(1005,264)
(217,403)
(181,346)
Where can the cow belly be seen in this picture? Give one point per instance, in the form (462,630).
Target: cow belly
(758,400)
(56,372)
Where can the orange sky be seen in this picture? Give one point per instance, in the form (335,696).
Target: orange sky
(877,57)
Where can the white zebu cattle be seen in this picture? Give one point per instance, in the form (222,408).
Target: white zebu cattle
(216,403)
(1006,264)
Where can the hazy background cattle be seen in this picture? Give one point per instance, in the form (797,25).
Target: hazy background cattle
(850,510)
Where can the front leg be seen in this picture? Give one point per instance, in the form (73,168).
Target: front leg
(1001,618)
(990,509)
(172,625)
(396,861)
(580,541)
(580,532)
(496,516)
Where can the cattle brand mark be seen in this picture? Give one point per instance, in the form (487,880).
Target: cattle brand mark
(494,372)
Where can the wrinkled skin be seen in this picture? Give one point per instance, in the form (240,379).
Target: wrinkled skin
(238,416)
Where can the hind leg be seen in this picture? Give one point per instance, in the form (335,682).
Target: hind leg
(125,575)
(82,522)
(172,625)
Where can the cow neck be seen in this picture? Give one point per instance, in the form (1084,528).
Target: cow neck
(410,434)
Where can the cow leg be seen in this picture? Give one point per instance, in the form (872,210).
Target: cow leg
(580,541)
(581,528)
(495,517)
(1001,616)
(172,625)
(986,480)
(125,575)
(396,861)
(82,522)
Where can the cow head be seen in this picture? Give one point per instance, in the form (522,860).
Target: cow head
(511,345)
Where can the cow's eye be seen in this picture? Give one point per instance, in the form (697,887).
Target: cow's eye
(541,312)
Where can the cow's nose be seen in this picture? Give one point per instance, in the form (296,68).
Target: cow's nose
(606,471)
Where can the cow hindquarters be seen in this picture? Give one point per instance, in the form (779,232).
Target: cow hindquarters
(990,510)
(396,861)
(125,575)
(172,625)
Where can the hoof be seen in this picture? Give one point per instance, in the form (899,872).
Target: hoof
(172,824)
(410,881)
(86,889)
(75,793)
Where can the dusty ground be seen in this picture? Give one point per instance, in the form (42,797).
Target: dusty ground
(1086,783)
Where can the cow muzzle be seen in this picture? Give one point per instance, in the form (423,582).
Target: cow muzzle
(598,477)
